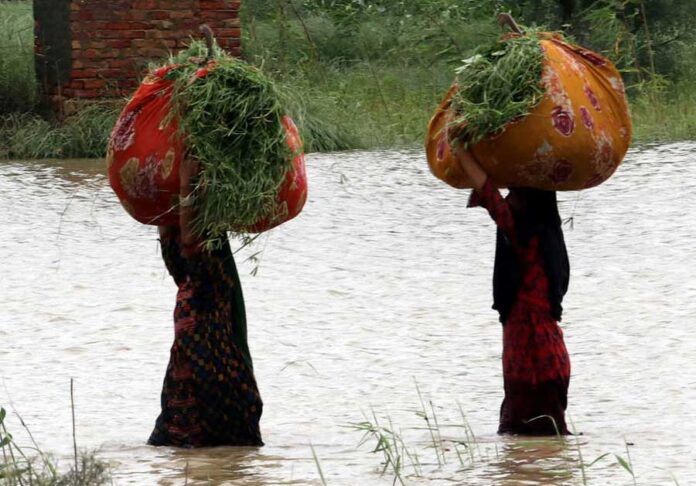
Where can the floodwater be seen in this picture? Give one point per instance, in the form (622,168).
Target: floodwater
(384,281)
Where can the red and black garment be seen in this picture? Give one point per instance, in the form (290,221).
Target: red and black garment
(210,396)
(530,279)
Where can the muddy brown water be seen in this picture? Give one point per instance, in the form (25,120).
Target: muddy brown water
(384,281)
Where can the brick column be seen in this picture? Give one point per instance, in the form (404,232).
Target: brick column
(88,49)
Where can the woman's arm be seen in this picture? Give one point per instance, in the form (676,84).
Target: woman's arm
(472,168)
(187,174)
(172,253)
(486,194)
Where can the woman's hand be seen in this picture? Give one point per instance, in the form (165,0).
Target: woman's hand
(471,166)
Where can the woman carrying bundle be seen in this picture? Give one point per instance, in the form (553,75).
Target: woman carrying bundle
(204,149)
(537,114)
(530,279)
(209,397)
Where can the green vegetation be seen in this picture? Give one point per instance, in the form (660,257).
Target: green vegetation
(374,73)
(499,83)
(17,80)
(231,120)
(461,451)
(83,135)
(24,134)
(369,73)
(378,68)
(18,468)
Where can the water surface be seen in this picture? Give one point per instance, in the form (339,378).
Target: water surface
(383,281)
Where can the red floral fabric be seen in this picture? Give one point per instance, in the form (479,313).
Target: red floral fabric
(536,365)
(145,151)
(573,139)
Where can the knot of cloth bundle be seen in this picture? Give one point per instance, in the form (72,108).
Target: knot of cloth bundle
(225,114)
(572,134)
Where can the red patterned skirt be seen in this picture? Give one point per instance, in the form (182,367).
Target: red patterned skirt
(536,372)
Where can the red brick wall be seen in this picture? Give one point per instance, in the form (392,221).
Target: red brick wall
(112,41)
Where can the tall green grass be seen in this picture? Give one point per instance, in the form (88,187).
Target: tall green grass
(377,84)
(350,85)
(453,454)
(665,115)
(82,135)
(369,84)
(369,105)
(31,466)
(17,76)
(24,134)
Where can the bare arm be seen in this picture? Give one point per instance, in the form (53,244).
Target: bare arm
(486,194)
(471,167)
(187,172)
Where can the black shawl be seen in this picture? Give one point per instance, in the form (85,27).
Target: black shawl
(536,215)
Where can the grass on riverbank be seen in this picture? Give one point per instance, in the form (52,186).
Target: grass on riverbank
(376,94)
(350,111)
(82,135)
(665,116)
(21,466)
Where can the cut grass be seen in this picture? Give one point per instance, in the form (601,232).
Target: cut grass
(230,120)
(500,83)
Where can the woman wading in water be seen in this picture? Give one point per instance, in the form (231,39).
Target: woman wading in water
(530,279)
(210,397)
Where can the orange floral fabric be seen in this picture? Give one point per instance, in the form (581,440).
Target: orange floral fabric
(145,152)
(574,139)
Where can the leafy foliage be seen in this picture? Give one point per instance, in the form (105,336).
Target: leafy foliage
(500,83)
(367,73)
(645,38)
(17,468)
(231,121)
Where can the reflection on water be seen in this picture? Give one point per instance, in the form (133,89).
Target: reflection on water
(383,280)
(523,462)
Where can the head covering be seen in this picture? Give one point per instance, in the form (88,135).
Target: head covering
(536,215)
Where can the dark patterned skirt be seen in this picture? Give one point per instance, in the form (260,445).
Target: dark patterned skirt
(536,372)
(210,396)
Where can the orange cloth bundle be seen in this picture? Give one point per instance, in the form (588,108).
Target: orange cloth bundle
(145,152)
(575,138)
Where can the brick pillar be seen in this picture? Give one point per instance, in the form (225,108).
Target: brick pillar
(87,49)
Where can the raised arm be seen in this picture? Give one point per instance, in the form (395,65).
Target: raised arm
(471,167)
(486,194)
(187,178)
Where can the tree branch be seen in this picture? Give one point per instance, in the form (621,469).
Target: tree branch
(506,20)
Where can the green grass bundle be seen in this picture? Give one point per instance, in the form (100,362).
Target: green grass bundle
(499,84)
(231,122)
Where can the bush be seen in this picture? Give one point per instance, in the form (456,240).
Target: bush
(17,77)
